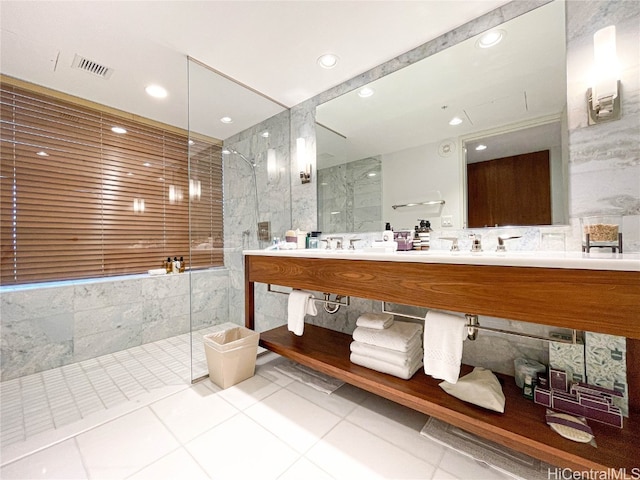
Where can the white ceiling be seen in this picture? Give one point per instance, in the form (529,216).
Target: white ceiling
(270,46)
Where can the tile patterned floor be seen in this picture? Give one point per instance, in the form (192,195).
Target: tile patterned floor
(268,426)
(34,407)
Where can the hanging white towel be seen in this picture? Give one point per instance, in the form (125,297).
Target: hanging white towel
(300,304)
(397,337)
(379,321)
(443,337)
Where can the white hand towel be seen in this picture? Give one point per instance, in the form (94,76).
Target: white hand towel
(396,337)
(379,321)
(393,357)
(443,337)
(300,304)
(401,372)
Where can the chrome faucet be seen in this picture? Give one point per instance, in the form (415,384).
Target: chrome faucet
(329,240)
(352,243)
(501,247)
(454,243)
(476,242)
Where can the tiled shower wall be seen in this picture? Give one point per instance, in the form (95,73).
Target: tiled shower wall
(51,326)
(242,213)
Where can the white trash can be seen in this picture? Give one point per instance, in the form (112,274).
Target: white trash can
(231,355)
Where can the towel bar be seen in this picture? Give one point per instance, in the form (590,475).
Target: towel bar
(346,302)
(433,202)
(473,326)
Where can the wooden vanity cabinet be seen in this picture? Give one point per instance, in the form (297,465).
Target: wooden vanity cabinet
(605,301)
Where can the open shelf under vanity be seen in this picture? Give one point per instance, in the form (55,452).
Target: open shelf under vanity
(601,300)
(520,427)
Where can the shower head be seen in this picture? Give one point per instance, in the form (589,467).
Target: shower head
(235,152)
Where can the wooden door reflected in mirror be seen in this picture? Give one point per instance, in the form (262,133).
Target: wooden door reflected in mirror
(512,190)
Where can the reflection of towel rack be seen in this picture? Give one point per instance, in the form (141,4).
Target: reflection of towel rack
(432,202)
(328,302)
(473,326)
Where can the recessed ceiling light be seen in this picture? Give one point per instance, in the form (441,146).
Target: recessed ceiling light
(119,130)
(226,120)
(191,142)
(335,213)
(328,60)
(156,91)
(226,151)
(481,147)
(265,134)
(42,153)
(372,174)
(490,39)
(365,92)
(455,121)
(146,164)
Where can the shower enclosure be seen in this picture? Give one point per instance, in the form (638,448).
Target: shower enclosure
(81,349)
(255,188)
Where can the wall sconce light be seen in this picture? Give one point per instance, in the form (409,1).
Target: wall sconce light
(271,164)
(604,96)
(303,165)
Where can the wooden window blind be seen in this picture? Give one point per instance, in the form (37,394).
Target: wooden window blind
(98,203)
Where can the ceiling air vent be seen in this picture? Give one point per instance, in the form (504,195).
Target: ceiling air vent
(92,67)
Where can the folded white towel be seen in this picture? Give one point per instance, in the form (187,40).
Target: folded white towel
(396,337)
(300,304)
(443,337)
(378,321)
(384,367)
(401,359)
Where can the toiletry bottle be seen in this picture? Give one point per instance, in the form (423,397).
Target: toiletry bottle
(181,269)
(314,241)
(387,235)
(176,265)
(527,390)
(168,265)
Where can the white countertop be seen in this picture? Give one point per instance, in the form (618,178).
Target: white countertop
(575,260)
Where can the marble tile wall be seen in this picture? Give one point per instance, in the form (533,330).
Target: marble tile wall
(351,196)
(47,327)
(604,159)
(243,210)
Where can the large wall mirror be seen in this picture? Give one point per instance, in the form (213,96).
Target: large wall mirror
(396,143)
